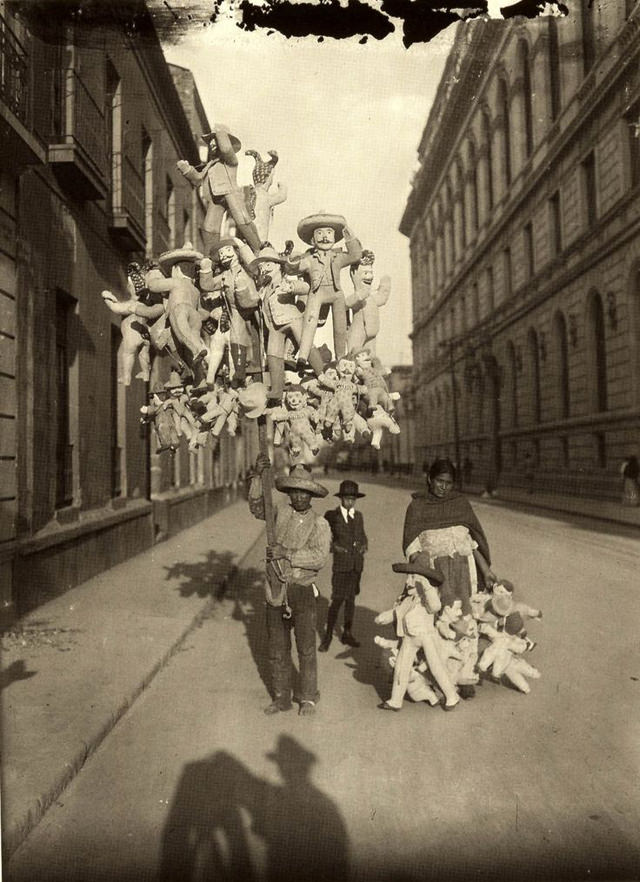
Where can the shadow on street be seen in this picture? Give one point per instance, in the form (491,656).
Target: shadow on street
(220,806)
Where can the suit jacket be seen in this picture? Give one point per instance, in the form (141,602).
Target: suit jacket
(314,266)
(345,538)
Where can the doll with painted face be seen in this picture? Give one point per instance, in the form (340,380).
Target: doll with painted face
(138,312)
(219,187)
(341,407)
(321,266)
(369,372)
(299,419)
(282,314)
(232,288)
(364,303)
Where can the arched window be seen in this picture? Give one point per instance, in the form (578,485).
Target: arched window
(595,343)
(463,205)
(473,190)
(486,134)
(561,364)
(512,381)
(554,67)
(534,375)
(504,110)
(527,98)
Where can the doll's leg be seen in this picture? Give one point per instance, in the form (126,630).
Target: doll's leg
(217,345)
(144,360)
(438,669)
(516,676)
(339,315)
(309,324)
(402,671)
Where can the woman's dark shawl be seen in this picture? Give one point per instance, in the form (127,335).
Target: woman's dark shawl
(427,512)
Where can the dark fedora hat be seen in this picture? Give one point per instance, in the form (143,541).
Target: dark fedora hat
(420,565)
(349,488)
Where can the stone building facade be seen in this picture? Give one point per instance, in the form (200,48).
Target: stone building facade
(524,222)
(91,126)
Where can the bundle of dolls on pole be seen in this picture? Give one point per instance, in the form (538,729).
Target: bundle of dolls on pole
(238,323)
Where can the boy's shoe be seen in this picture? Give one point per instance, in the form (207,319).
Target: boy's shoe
(326,643)
(349,640)
(277,705)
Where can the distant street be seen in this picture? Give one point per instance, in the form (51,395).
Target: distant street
(196,784)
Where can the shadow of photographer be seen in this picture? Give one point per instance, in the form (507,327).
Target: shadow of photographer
(225,823)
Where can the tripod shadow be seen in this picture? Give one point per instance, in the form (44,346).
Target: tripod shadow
(220,808)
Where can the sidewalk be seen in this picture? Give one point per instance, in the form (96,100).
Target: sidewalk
(73,667)
(598,509)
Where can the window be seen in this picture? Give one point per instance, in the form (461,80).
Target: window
(475,294)
(525,67)
(588,35)
(186,227)
(564,452)
(596,347)
(113,123)
(491,296)
(64,448)
(589,188)
(555,225)
(486,131)
(147,175)
(508,272)
(512,363)
(529,257)
(473,177)
(600,450)
(116,450)
(171,212)
(554,67)
(534,375)
(503,105)
(561,364)
(632,121)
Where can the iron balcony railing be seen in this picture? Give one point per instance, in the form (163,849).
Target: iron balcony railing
(83,120)
(127,192)
(14,74)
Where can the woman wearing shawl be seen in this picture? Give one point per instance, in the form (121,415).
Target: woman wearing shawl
(441,522)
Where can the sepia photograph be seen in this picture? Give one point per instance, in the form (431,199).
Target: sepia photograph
(319,441)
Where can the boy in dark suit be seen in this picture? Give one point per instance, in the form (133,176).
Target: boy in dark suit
(349,545)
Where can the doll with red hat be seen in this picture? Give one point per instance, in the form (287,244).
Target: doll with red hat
(413,615)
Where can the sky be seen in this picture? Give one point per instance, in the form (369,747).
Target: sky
(346,120)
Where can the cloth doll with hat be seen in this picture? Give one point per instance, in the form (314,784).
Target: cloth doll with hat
(369,372)
(413,616)
(418,686)
(349,545)
(321,266)
(504,655)
(301,549)
(218,183)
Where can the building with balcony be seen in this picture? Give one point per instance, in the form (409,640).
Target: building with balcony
(524,223)
(91,127)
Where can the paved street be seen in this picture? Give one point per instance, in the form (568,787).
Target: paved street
(195,783)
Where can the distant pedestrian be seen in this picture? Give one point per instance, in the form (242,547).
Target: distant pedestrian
(302,548)
(349,545)
(630,472)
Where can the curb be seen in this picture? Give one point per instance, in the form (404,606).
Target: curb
(13,838)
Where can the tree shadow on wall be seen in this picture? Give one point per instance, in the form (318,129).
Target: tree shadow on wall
(220,809)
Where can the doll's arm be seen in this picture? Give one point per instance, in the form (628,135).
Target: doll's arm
(381,295)
(279,196)
(190,173)
(157,283)
(226,151)
(385,618)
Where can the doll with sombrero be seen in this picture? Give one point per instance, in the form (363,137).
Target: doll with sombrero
(221,192)
(282,315)
(413,616)
(234,293)
(321,266)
